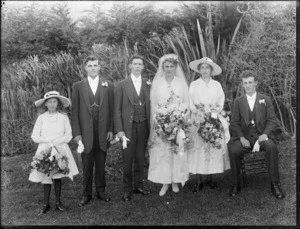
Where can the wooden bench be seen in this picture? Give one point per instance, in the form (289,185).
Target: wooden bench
(253,163)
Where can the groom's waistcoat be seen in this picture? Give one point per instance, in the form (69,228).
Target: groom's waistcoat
(139,107)
(94,99)
(252,130)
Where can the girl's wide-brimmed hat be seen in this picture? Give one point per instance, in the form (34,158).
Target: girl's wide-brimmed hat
(205,60)
(53,94)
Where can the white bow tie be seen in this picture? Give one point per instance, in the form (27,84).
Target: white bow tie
(251,98)
(137,81)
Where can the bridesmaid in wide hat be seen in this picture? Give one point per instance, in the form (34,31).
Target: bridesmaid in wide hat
(207,101)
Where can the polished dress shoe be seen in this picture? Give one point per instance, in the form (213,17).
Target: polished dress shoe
(235,189)
(276,190)
(126,196)
(211,184)
(198,187)
(141,191)
(44,209)
(60,207)
(103,196)
(85,200)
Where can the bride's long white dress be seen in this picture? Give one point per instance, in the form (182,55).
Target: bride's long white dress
(203,158)
(166,167)
(46,129)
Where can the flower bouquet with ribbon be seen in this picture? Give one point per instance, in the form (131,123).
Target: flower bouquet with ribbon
(50,161)
(211,131)
(210,128)
(171,124)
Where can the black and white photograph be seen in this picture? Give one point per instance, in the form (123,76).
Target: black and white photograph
(148,113)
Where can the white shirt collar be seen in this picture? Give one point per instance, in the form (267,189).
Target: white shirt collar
(134,78)
(251,97)
(91,80)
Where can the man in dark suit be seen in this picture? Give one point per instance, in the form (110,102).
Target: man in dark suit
(92,110)
(253,119)
(132,120)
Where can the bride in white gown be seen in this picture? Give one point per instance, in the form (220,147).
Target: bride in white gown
(169,92)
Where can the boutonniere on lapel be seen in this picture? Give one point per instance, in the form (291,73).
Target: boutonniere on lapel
(104,84)
(262,101)
(149,82)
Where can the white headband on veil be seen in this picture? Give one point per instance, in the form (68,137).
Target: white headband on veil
(160,72)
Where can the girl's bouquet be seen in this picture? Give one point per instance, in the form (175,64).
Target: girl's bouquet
(172,123)
(47,163)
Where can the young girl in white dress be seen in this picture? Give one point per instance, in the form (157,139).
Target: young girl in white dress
(203,158)
(52,130)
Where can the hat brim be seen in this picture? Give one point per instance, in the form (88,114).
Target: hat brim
(65,101)
(216,68)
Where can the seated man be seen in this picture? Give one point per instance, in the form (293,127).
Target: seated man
(253,119)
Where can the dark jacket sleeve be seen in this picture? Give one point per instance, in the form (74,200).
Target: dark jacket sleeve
(75,111)
(118,124)
(235,124)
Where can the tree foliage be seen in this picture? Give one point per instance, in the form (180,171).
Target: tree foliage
(240,35)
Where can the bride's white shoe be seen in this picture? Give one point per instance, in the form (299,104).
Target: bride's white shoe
(175,187)
(164,189)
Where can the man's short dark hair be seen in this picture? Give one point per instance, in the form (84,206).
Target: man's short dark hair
(90,58)
(248,73)
(135,56)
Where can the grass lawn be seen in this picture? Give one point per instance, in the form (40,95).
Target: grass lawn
(21,199)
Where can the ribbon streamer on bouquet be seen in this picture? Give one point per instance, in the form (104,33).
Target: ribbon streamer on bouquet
(180,141)
(226,127)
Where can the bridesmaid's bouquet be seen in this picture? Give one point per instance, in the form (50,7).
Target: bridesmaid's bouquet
(46,163)
(210,129)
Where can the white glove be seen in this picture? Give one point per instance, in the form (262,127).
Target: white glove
(256,147)
(124,142)
(80,147)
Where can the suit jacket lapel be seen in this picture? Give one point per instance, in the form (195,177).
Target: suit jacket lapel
(245,109)
(146,90)
(129,89)
(85,93)
(101,91)
(258,108)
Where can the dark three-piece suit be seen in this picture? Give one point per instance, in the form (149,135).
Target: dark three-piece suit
(92,119)
(241,126)
(132,116)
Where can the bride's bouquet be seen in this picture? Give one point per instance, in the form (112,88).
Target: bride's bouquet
(210,128)
(46,163)
(172,123)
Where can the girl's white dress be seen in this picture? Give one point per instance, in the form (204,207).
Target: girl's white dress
(46,129)
(165,167)
(202,158)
